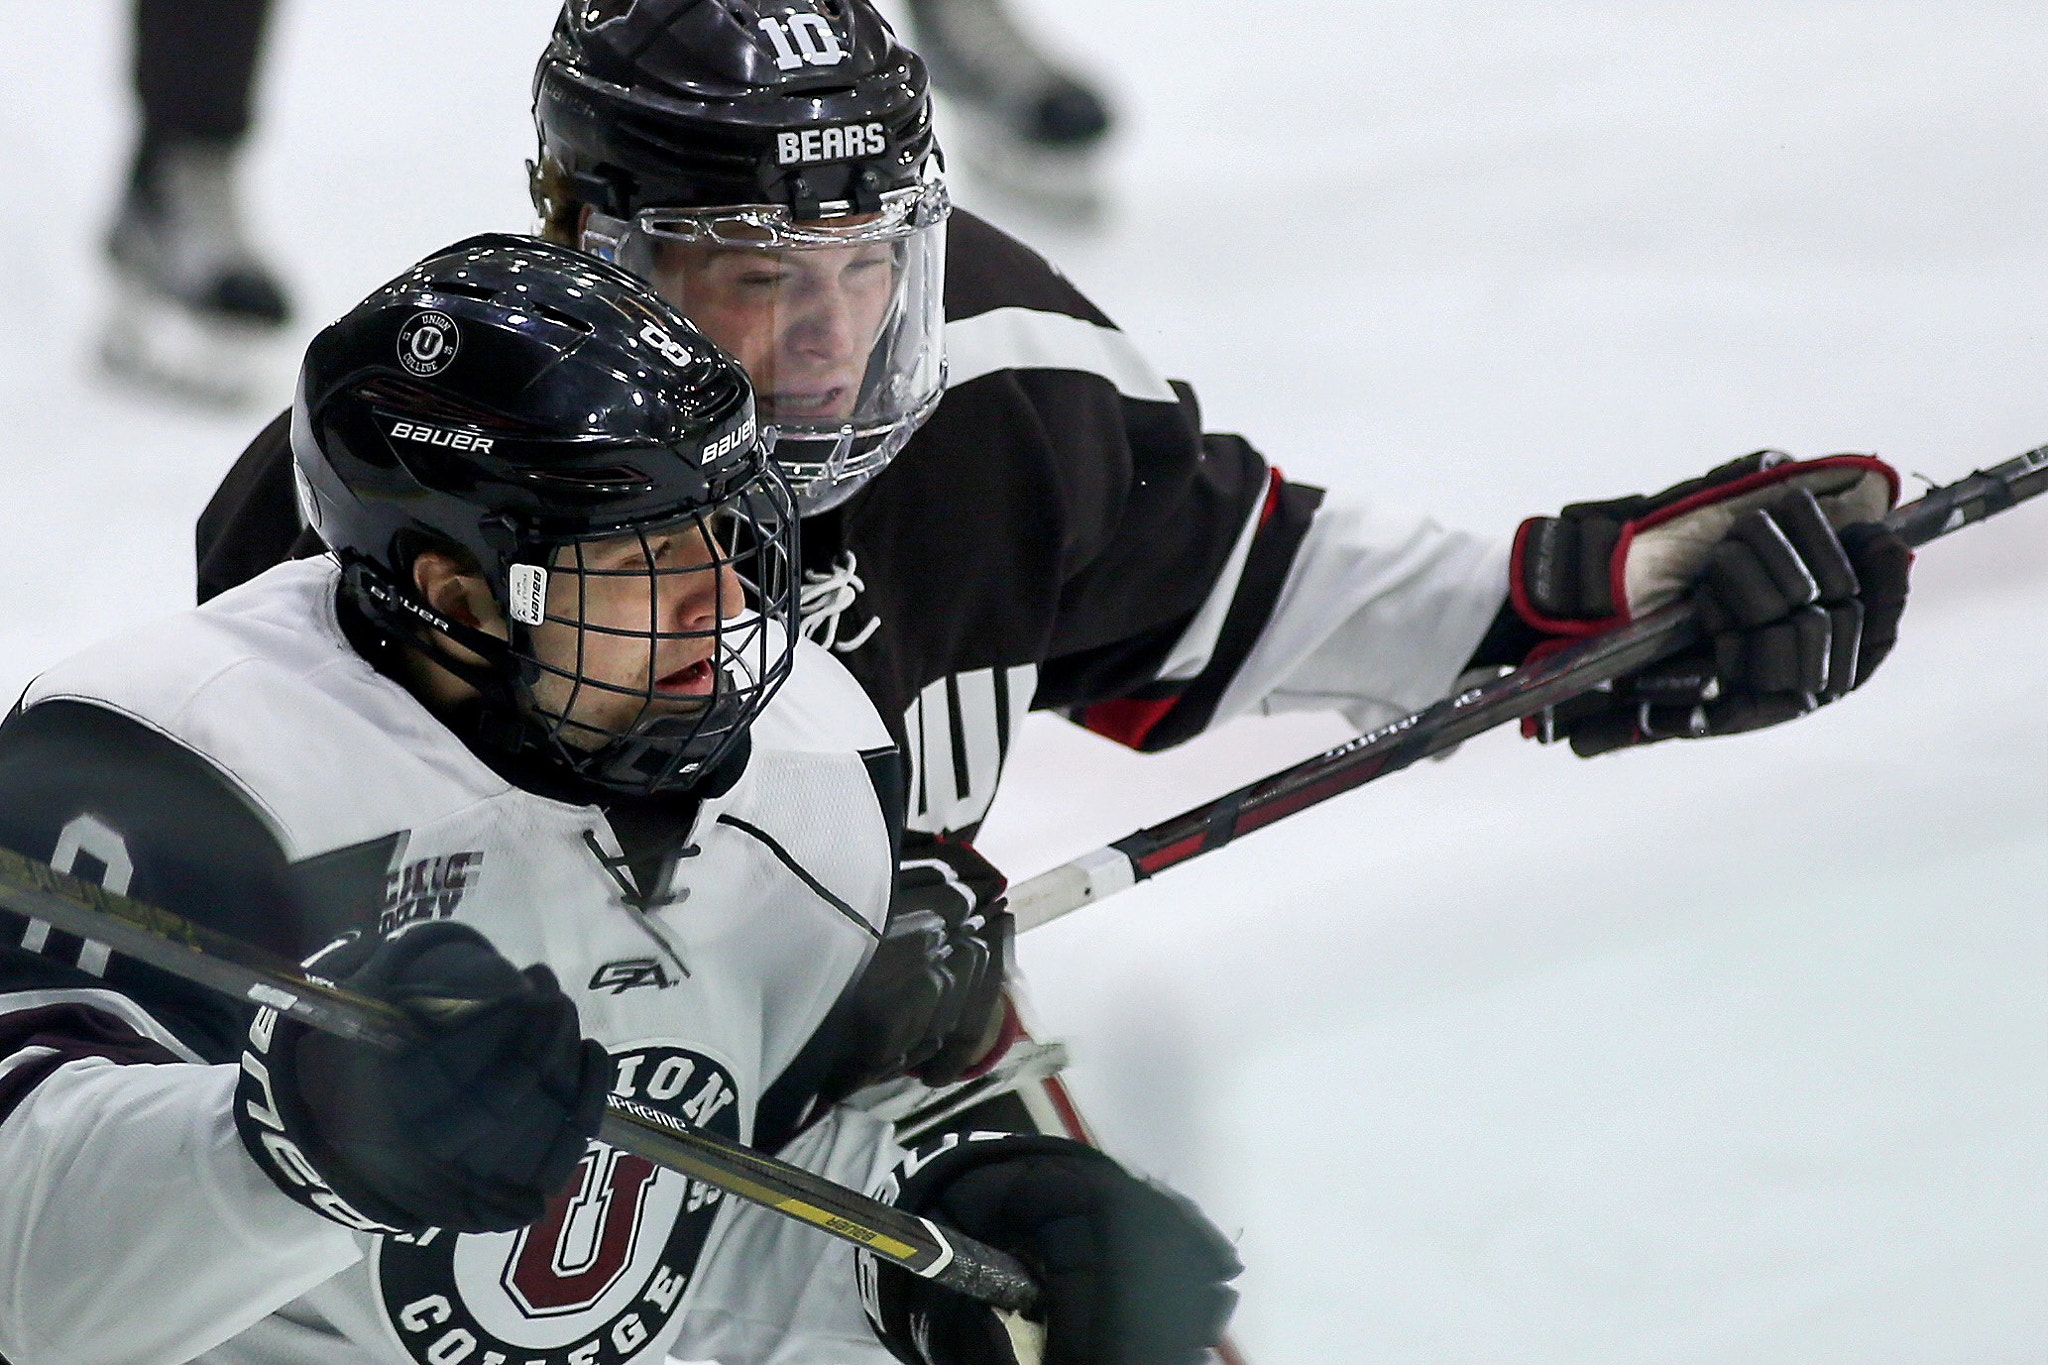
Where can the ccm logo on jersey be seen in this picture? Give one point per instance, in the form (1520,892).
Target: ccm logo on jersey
(441,436)
(843,142)
(631,974)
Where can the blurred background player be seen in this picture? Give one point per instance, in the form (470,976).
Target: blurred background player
(198,307)
(1022,117)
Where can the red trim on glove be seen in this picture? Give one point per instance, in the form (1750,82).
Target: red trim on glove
(1748,483)
(1006,1038)
(1518,594)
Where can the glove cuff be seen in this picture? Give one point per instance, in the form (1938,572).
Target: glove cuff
(1008,1035)
(1598,566)
(917,1325)
(274,1126)
(924,1174)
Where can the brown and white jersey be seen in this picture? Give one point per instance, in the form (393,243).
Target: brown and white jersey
(245,766)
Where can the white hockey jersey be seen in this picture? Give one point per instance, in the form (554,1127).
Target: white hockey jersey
(132,1225)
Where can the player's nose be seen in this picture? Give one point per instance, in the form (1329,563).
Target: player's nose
(823,325)
(697,603)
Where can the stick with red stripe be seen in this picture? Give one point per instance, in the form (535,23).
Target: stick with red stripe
(1452,721)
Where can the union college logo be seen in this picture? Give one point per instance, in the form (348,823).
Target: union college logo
(602,1272)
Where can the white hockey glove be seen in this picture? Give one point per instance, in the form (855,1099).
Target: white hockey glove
(1798,586)
(470,1130)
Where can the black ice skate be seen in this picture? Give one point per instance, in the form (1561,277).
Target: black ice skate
(1019,119)
(196,311)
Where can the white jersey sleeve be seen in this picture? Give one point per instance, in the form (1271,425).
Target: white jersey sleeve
(133,1224)
(1381,610)
(134,1228)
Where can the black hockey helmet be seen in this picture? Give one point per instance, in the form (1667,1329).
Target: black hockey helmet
(706,103)
(693,141)
(549,419)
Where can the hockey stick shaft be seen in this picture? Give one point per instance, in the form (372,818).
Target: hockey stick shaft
(1525,691)
(194,953)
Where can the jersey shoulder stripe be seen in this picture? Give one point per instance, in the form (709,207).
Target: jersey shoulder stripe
(39,1034)
(1031,339)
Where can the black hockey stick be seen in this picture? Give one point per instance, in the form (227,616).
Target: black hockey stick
(195,953)
(1523,692)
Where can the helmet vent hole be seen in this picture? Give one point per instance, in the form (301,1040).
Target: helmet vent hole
(559,317)
(599,481)
(481,293)
(403,398)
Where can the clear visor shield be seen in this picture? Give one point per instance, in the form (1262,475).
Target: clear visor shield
(647,655)
(839,321)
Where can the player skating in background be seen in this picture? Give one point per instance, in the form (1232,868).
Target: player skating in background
(544,713)
(198,308)
(1022,117)
(1052,528)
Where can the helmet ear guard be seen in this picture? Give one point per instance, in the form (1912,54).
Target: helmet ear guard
(400,612)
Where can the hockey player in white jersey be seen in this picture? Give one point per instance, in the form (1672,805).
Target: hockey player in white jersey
(536,737)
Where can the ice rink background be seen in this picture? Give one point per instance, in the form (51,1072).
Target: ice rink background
(1735,1051)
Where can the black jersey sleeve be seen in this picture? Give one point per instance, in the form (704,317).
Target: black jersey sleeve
(252,520)
(109,800)
(1159,523)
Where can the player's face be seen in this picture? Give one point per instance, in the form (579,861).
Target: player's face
(650,610)
(803,323)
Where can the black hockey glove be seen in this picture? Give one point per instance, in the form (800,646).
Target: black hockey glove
(1799,588)
(1130,1273)
(930,1002)
(470,1130)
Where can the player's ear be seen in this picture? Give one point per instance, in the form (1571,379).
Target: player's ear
(454,588)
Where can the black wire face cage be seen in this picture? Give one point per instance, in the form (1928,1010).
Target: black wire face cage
(643,657)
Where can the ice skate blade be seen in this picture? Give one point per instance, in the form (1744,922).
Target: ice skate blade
(155,343)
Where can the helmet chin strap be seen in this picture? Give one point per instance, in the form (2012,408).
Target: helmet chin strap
(417,624)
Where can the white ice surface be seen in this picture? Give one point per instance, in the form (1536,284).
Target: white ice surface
(1733,1051)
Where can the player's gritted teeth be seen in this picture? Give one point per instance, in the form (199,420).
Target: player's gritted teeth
(813,405)
(691,680)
